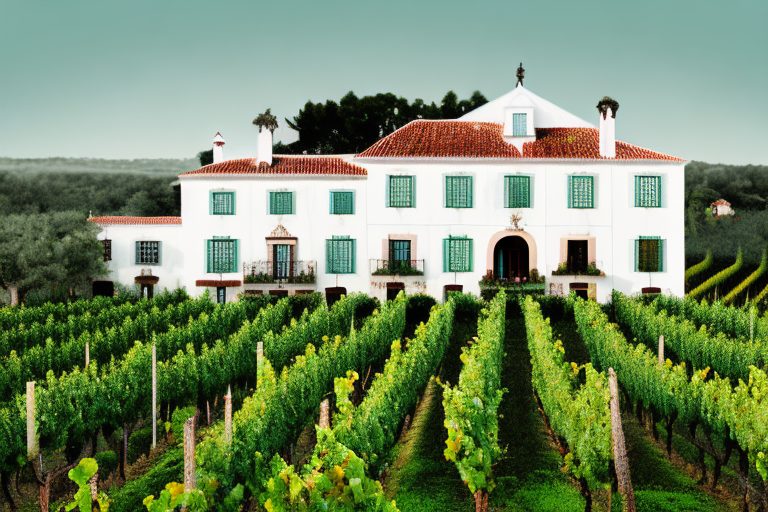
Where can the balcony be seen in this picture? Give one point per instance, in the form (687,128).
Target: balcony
(397,267)
(563,269)
(268,271)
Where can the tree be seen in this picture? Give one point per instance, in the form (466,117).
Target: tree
(205,157)
(48,251)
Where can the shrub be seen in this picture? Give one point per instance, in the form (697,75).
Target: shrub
(139,443)
(107,462)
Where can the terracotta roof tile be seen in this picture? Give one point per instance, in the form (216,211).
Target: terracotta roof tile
(470,139)
(425,138)
(284,164)
(119,219)
(583,143)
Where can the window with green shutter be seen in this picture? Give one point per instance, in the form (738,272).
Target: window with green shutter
(517,191)
(340,255)
(519,125)
(458,191)
(222,203)
(281,203)
(649,254)
(581,191)
(648,191)
(342,202)
(401,192)
(457,254)
(221,255)
(147,252)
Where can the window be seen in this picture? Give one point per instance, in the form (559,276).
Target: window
(221,255)
(648,191)
(221,294)
(581,191)
(281,203)
(519,125)
(107,243)
(400,192)
(147,253)
(649,254)
(517,191)
(342,202)
(457,254)
(458,191)
(340,255)
(222,203)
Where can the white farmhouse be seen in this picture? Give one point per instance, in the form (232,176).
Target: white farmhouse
(518,192)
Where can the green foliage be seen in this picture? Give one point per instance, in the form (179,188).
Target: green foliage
(741,411)
(353,124)
(168,468)
(174,497)
(109,334)
(178,418)
(81,474)
(471,407)
(718,278)
(698,346)
(107,461)
(751,278)
(57,251)
(371,428)
(73,406)
(700,266)
(578,413)
(334,479)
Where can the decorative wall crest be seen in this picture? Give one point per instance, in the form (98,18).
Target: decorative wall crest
(514,221)
(280,232)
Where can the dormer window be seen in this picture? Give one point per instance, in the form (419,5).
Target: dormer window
(519,124)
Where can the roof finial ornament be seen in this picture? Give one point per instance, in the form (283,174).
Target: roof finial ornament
(520,74)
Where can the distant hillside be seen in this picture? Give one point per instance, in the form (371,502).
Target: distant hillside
(157,166)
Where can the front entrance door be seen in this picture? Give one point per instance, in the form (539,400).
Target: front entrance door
(510,258)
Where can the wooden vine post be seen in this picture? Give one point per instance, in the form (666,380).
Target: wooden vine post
(189,455)
(325,414)
(154,396)
(661,350)
(32,446)
(259,360)
(228,416)
(620,459)
(87,353)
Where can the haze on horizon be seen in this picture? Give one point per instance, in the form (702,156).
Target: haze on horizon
(145,79)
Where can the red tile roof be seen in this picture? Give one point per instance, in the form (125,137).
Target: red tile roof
(118,219)
(217,283)
(425,138)
(583,143)
(470,139)
(283,164)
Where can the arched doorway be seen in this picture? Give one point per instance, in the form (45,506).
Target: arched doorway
(511,258)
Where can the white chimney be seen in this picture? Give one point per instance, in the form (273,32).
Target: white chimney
(264,148)
(218,148)
(607,109)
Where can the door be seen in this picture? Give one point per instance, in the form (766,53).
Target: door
(221,294)
(510,260)
(281,261)
(577,256)
(399,255)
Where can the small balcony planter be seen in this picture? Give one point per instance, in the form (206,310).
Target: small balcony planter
(591,270)
(397,267)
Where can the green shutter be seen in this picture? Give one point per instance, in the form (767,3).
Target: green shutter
(221,203)
(458,255)
(649,254)
(235,255)
(342,202)
(661,256)
(517,191)
(281,203)
(458,191)
(581,191)
(446,255)
(648,191)
(401,192)
(138,254)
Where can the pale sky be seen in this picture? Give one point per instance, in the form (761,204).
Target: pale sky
(143,79)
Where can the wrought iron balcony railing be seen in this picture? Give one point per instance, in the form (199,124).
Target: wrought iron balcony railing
(397,267)
(270,271)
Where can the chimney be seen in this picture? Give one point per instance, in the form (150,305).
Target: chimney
(607,108)
(267,124)
(264,147)
(218,148)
